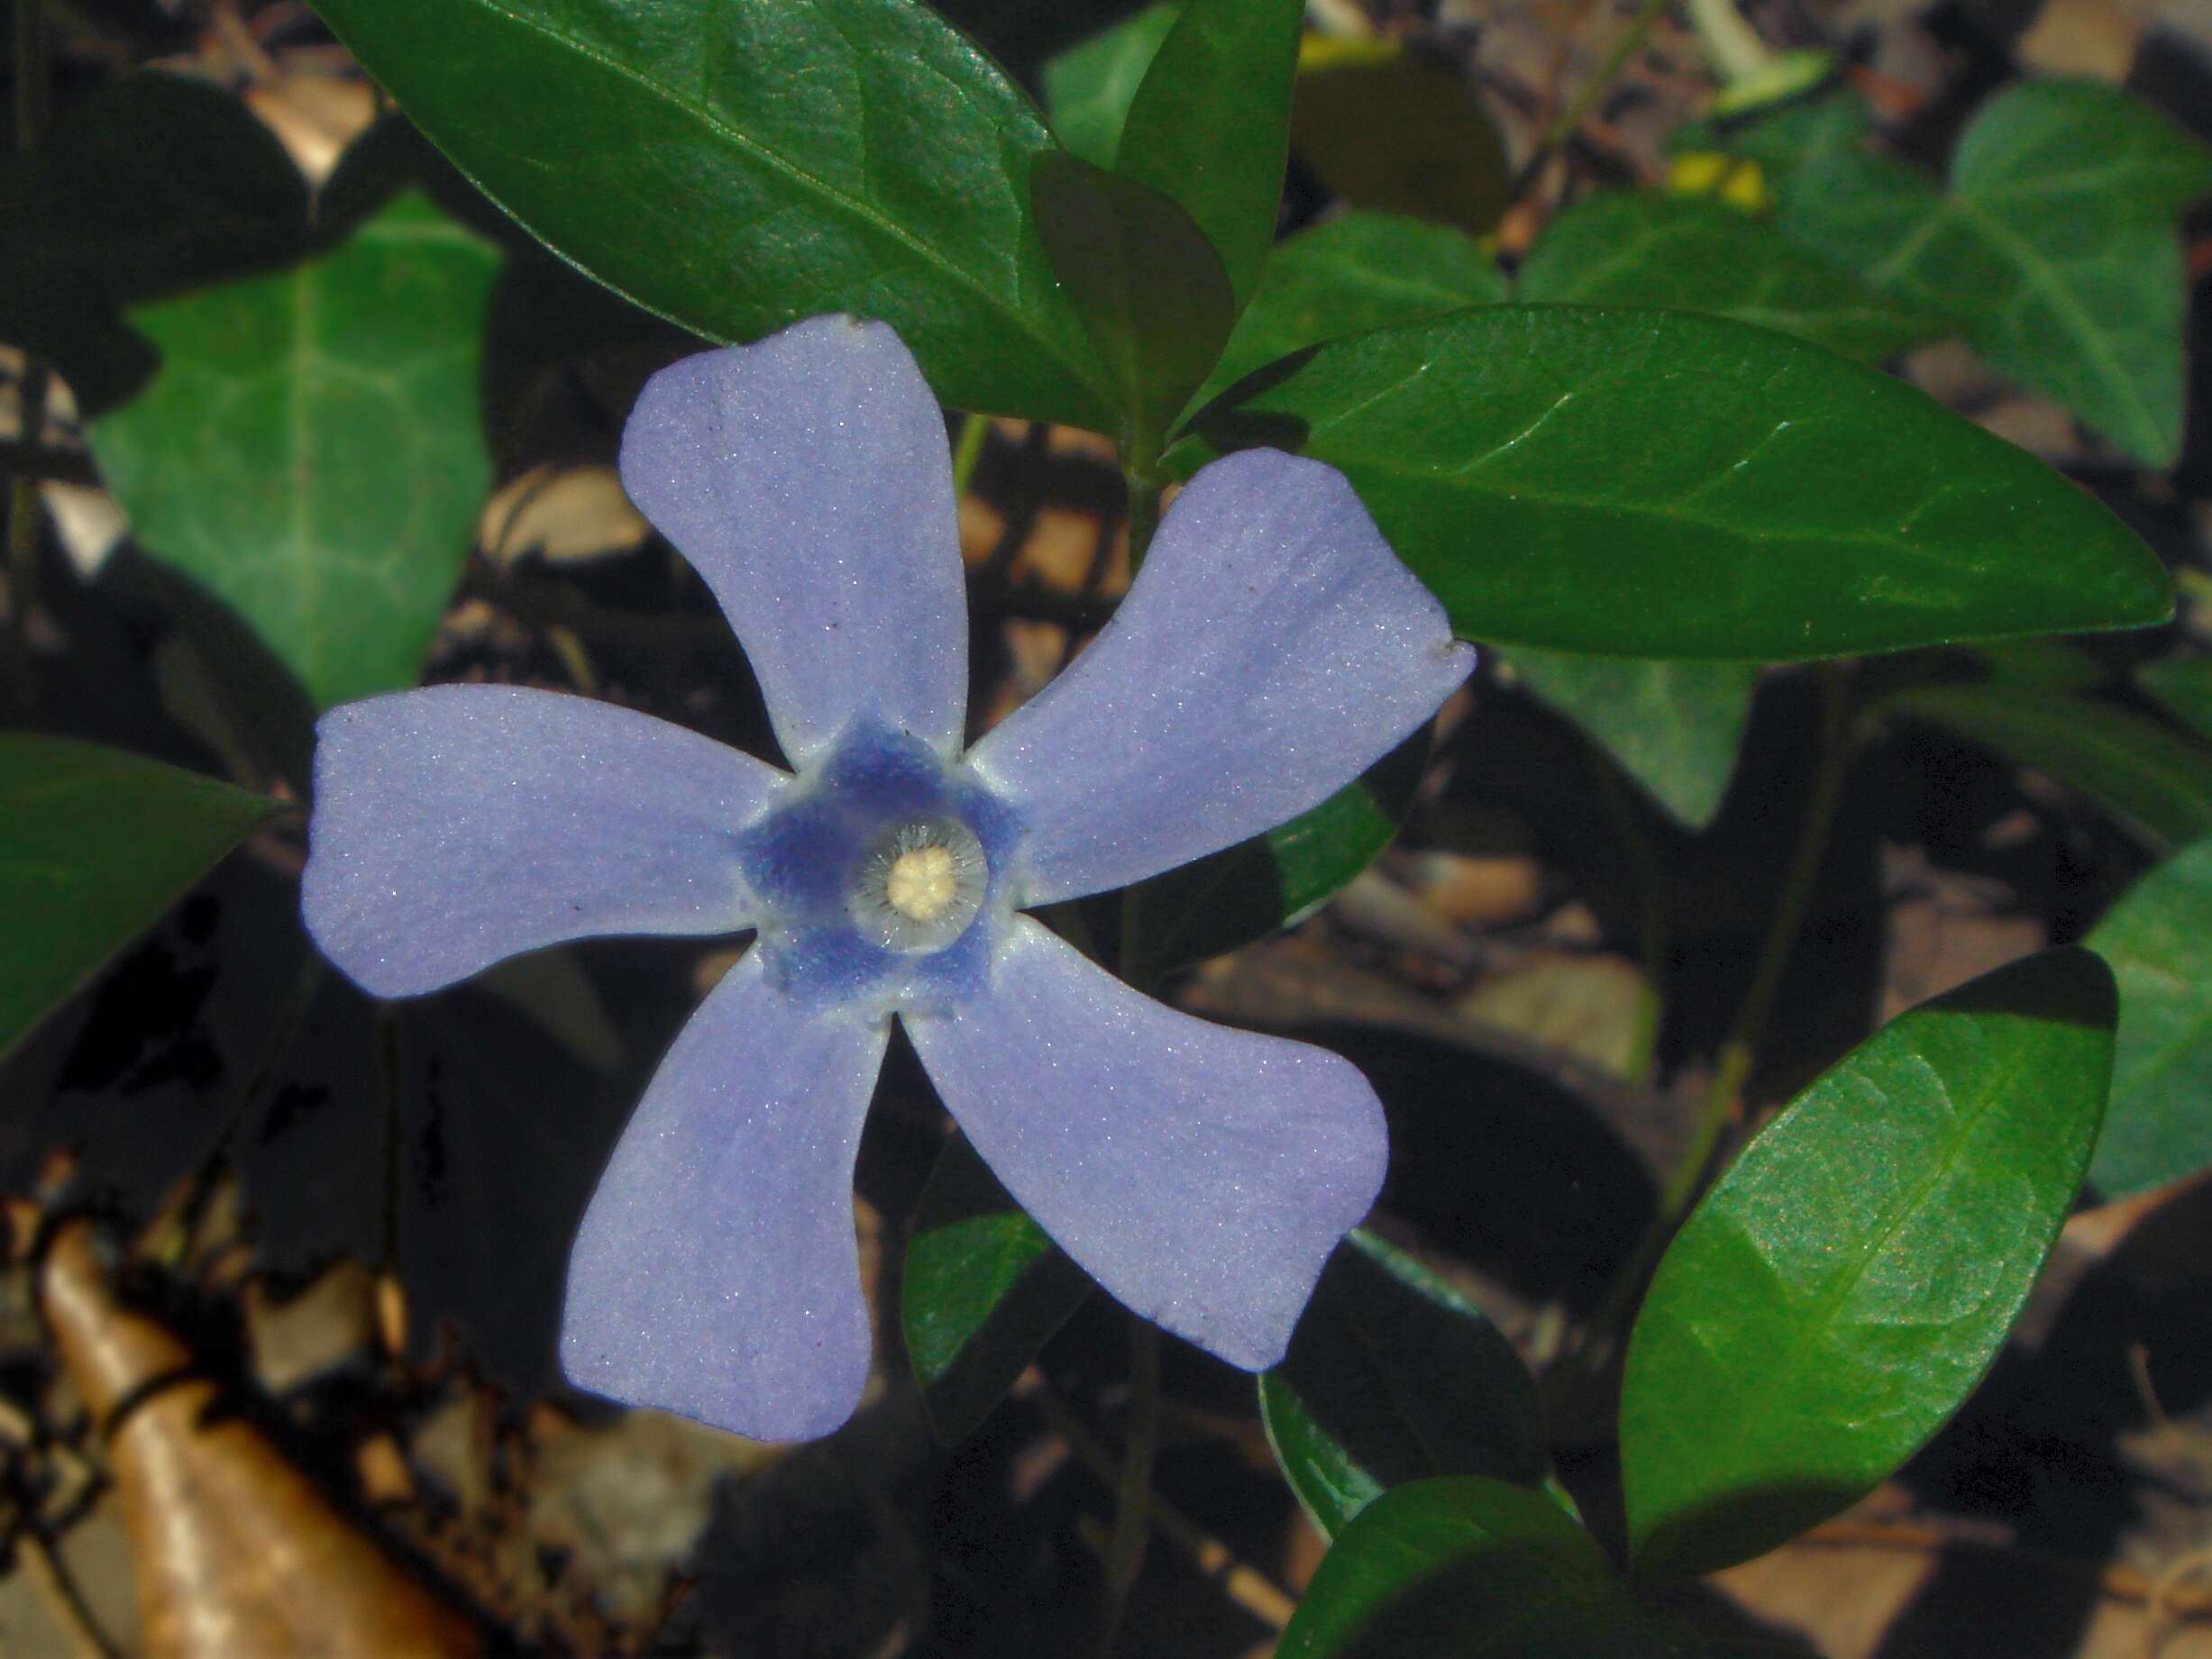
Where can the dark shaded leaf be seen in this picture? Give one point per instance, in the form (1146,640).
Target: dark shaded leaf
(1389,128)
(1674,727)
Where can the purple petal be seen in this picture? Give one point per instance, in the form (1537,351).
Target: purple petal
(1271,648)
(808,480)
(459,825)
(717,1273)
(1201,1174)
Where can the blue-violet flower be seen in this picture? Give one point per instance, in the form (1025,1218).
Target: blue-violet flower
(1270,648)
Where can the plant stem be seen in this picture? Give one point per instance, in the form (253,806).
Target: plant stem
(1731,44)
(975,431)
(1569,120)
(1145,486)
(1652,916)
(1125,1550)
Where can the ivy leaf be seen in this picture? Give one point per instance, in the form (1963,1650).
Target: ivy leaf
(735,165)
(1639,248)
(2056,246)
(1148,284)
(1675,728)
(984,1290)
(1209,125)
(1394,1376)
(1088,87)
(1349,274)
(312,450)
(96,844)
(1849,1279)
(1468,1568)
(1655,484)
(2158,942)
(1230,898)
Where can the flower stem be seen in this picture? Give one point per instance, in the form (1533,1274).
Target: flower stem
(975,429)
(1145,486)
(1125,1550)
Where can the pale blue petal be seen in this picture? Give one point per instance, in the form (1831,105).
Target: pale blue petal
(1201,1174)
(717,1273)
(1271,648)
(808,480)
(459,825)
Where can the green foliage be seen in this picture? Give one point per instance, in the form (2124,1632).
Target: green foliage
(1088,87)
(735,165)
(1389,128)
(312,450)
(1210,125)
(1654,484)
(2157,939)
(1349,274)
(981,1291)
(1468,1568)
(1637,248)
(1846,1281)
(1244,892)
(1675,728)
(95,845)
(2055,246)
(1149,285)
(2184,686)
(1394,1376)
(148,186)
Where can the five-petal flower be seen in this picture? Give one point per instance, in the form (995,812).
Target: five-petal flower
(1270,648)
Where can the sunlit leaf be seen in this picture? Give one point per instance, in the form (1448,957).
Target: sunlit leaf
(1850,1278)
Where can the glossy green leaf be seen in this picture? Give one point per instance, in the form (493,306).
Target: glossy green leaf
(1394,1376)
(983,1290)
(2056,245)
(735,165)
(2158,942)
(146,186)
(1148,284)
(2153,778)
(1389,127)
(312,450)
(2184,686)
(1349,274)
(1639,248)
(1850,1278)
(1674,727)
(95,845)
(1228,898)
(1468,1568)
(1209,125)
(1088,87)
(1655,484)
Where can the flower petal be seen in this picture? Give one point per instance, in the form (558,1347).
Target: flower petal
(1201,1174)
(717,1273)
(459,825)
(808,480)
(1271,648)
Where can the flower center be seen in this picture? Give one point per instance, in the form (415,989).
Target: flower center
(917,886)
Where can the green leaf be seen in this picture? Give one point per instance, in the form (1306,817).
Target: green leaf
(1209,125)
(2056,246)
(983,1290)
(1674,727)
(1394,1376)
(1088,87)
(1388,127)
(2158,942)
(1639,248)
(1349,274)
(735,165)
(1148,284)
(1468,1568)
(1848,1281)
(95,845)
(1655,484)
(2154,780)
(1230,898)
(2184,686)
(146,186)
(312,450)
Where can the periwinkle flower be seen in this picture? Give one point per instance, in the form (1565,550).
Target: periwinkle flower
(1270,648)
